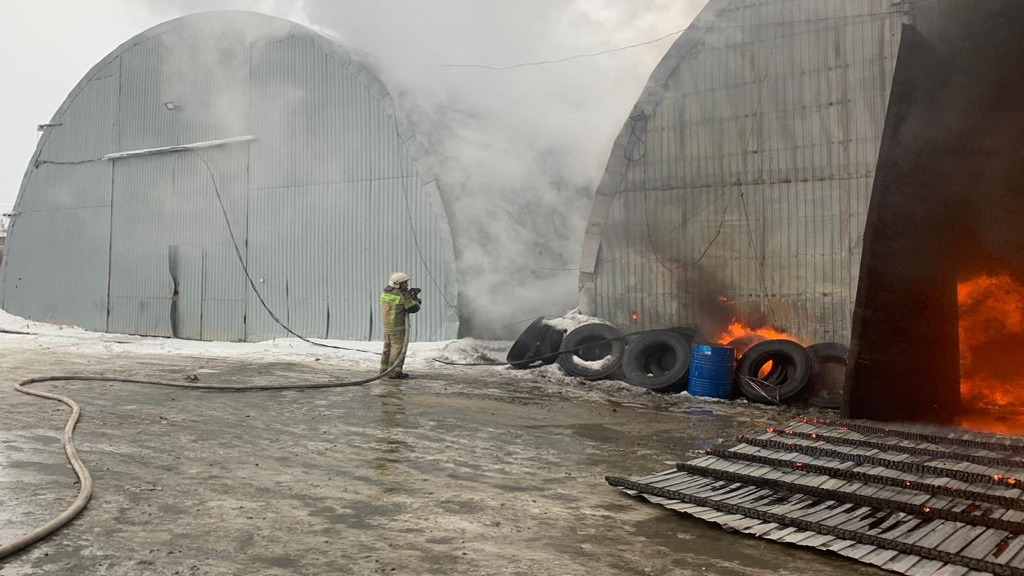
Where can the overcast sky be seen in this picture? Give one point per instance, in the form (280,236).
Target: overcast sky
(48,45)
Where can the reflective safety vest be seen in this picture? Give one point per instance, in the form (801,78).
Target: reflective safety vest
(395,305)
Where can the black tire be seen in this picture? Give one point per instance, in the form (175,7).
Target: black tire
(687,332)
(537,341)
(548,350)
(620,373)
(821,354)
(788,358)
(776,374)
(658,361)
(600,341)
(828,353)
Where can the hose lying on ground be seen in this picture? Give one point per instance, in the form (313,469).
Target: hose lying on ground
(85,480)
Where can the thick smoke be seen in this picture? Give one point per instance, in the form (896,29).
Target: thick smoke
(517,152)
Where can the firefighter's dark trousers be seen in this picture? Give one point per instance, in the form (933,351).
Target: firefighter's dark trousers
(393,344)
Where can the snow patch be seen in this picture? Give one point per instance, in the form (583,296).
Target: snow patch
(357,354)
(595,365)
(573,320)
(473,351)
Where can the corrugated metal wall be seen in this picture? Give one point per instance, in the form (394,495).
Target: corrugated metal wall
(67,229)
(167,221)
(745,170)
(326,201)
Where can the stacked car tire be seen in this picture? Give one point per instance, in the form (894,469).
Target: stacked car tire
(659,360)
(538,345)
(785,372)
(768,371)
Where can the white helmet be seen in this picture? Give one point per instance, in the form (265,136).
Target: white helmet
(397,278)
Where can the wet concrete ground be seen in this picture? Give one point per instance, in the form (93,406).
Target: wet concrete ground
(455,472)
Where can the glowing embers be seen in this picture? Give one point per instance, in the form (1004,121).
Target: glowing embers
(991,330)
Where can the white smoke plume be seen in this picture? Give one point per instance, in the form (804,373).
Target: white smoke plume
(518,152)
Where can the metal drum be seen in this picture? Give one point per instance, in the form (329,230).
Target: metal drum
(711,371)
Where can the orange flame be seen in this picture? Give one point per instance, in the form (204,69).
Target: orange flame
(738,330)
(991,330)
(741,337)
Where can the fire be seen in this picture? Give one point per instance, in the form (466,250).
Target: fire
(740,336)
(738,330)
(991,330)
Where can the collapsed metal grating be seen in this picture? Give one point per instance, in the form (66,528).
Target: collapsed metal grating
(917,500)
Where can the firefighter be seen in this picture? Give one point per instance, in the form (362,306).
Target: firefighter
(396,303)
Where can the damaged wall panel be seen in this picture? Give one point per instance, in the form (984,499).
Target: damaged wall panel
(744,172)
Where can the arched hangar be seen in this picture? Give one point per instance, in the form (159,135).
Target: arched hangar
(219,131)
(744,172)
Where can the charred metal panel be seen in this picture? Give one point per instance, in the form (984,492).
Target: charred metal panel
(744,171)
(946,206)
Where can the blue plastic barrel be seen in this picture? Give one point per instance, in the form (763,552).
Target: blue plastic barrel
(711,371)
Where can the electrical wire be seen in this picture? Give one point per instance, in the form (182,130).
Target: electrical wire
(631,159)
(760,385)
(539,63)
(565,59)
(39,163)
(248,276)
(577,269)
(502,68)
(647,222)
(415,236)
(761,264)
(85,480)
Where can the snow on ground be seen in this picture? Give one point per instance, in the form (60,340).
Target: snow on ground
(480,357)
(485,360)
(473,351)
(356,354)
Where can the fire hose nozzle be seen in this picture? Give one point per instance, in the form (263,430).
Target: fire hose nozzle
(415,293)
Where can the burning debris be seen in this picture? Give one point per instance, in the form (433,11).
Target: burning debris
(991,330)
(741,336)
(909,499)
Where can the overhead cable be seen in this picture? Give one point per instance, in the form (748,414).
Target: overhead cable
(537,63)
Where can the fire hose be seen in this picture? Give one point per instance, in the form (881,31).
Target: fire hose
(85,479)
